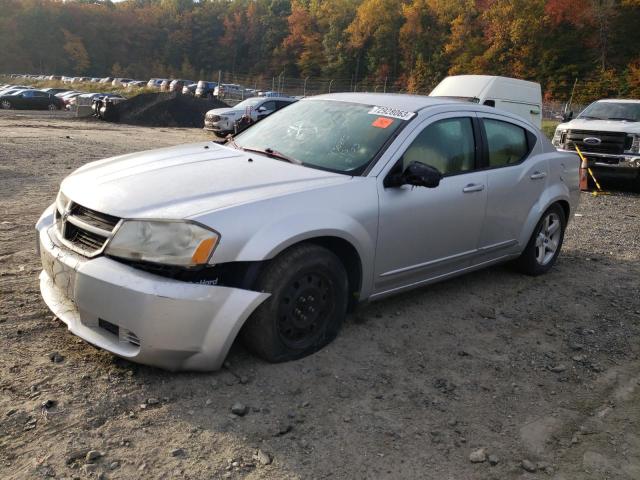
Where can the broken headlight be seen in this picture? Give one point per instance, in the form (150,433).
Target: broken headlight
(179,243)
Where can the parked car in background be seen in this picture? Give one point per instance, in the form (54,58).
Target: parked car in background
(13,89)
(513,95)
(164,85)
(66,97)
(177,84)
(189,89)
(223,121)
(117,82)
(106,80)
(156,82)
(32,100)
(205,89)
(607,132)
(227,90)
(136,84)
(277,235)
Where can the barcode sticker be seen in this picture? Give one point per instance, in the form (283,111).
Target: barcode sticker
(391,112)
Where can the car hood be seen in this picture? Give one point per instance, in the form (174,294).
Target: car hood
(602,125)
(223,111)
(186,181)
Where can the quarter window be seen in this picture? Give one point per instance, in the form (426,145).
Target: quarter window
(447,145)
(506,142)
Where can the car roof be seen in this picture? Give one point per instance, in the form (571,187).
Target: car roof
(400,101)
(618,100)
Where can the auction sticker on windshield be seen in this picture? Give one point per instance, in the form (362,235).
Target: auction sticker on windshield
(382,122)
(391,112)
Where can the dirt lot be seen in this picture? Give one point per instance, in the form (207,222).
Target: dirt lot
(542,370)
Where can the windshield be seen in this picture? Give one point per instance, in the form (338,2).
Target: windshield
(612,111)
(327,134)
(249,102)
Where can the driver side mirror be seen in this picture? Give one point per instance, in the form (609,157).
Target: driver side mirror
(262,109)
(417,174)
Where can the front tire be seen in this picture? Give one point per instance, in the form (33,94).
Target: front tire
(6,104)
(545,243)
(307,306)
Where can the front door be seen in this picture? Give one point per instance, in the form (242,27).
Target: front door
(427,233)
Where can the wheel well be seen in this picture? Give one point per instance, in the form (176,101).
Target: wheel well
(350,258)
(565,207)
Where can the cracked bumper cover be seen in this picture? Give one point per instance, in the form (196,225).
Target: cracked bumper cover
(178,325)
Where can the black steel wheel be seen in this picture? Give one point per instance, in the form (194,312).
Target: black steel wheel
(307,306)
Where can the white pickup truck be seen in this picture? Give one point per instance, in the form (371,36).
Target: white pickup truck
(607,132)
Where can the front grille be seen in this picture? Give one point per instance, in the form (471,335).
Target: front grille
(100,220)
(84,230)
(613,143)
(86,240)
(213,118)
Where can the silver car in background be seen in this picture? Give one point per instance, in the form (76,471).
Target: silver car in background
(165,257)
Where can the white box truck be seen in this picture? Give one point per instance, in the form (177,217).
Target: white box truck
(521,97)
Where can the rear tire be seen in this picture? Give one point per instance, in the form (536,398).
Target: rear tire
(53,107)
(545,243)
(307,306)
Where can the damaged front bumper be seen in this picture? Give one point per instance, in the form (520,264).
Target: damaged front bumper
(137,315)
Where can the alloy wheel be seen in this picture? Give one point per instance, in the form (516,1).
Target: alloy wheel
(548,238)
(6,104)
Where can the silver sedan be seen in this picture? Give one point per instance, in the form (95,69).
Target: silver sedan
(165,257)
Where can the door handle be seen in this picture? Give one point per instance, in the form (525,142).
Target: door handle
(472,187)
(538,175)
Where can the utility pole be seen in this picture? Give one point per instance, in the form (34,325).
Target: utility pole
(304,88)
(330,83)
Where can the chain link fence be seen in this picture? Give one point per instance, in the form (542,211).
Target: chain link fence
(251,85)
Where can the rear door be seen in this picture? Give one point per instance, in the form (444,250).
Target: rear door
(515,182)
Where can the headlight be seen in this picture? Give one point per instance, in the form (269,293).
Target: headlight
(633,141)
(170,243)
(558,137)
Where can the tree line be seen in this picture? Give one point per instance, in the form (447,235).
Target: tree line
(408,44)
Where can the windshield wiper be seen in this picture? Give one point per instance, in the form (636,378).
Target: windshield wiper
(588,117)
(231,141)
(270,152)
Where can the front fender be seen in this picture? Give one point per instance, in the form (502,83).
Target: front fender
(276,237)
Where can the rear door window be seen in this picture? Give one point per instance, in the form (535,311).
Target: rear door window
(507,144)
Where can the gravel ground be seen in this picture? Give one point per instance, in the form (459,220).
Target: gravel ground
(488,376)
